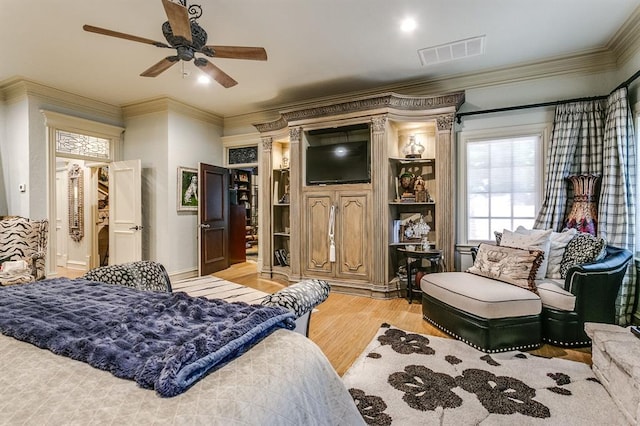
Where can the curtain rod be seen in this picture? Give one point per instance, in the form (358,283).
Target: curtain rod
(626,83)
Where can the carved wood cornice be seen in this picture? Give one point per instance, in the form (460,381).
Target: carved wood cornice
(271,126)
(388,101)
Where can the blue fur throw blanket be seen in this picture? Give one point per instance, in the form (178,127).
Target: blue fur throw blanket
(163,341)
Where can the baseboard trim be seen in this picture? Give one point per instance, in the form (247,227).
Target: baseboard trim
(183,275)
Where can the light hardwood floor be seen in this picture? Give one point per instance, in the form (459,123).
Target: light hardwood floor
(343,325)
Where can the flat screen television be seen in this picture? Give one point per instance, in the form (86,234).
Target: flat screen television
(338,163)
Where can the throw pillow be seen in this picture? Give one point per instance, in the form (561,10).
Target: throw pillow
(507,264)
(498,236)
(533,239)
(583,248)
(559,241)
(15,267)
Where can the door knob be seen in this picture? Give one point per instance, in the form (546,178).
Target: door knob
(137,228)
(205,225)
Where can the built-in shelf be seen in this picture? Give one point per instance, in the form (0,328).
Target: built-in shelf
(412,160)
(406,203)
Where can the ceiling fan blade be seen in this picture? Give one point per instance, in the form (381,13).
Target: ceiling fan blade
(240,52)
(216,73)
(163,65)
(104,31)
(178,19)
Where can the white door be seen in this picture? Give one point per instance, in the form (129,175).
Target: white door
(125,212)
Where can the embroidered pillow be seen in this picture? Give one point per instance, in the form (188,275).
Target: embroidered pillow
(533,239)
(559,241)
(583,248)
(507,264)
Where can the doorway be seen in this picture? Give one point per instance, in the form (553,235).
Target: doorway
(244,192)
(87,143)
(87,246)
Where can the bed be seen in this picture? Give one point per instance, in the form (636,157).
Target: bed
(283,379)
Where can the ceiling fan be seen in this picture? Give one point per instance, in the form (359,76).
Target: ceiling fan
(188,38)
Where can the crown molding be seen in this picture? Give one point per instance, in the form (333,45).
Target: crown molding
(581,63)
(166,104)
(626,41)
(242,121)
(585,63)
(18,88)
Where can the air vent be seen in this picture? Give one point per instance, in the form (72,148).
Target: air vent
(452,51)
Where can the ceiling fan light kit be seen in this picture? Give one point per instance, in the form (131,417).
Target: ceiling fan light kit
(185,35)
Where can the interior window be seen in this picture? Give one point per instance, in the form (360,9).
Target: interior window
(503,184)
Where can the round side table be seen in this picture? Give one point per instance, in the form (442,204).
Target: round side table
(413,257)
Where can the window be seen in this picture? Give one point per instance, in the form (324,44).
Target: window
(503,184)
(83,145)
(637,224)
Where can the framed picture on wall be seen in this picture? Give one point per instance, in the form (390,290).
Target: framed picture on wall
(187,189)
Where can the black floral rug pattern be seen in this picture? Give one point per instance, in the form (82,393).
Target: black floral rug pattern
(405,378)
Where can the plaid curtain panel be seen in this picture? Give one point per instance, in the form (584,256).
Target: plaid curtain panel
(617,205)
(575,148)
(596,137)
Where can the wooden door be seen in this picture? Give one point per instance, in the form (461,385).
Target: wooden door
(213,212)
(353,235)
(317,207)
(125,212)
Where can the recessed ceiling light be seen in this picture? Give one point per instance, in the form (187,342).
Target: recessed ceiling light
(408,25)
(204,79)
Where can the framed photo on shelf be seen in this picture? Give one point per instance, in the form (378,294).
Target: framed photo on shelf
(187,189)
(407,222)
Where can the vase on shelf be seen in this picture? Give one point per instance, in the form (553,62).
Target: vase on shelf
(583,215)
(413,148)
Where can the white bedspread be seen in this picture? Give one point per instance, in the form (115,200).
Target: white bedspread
(283,380)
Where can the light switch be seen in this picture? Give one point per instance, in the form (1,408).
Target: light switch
(23,187)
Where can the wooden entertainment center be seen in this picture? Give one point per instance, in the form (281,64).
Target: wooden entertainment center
(359,215)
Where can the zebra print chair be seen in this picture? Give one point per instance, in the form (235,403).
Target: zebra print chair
(24,240)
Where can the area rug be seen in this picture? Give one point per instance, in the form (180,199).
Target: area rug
(216,288)
(404,378)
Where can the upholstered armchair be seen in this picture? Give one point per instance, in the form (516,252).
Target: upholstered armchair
(23,245)
(595,288)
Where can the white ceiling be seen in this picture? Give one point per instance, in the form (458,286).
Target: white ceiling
(315,47)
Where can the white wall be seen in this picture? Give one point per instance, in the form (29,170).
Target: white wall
(146,139)
(165,141)
(15,157)
(191,141)
(3,141)
(23,143)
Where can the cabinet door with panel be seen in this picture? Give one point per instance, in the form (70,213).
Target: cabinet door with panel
(317,209)
(353,233)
